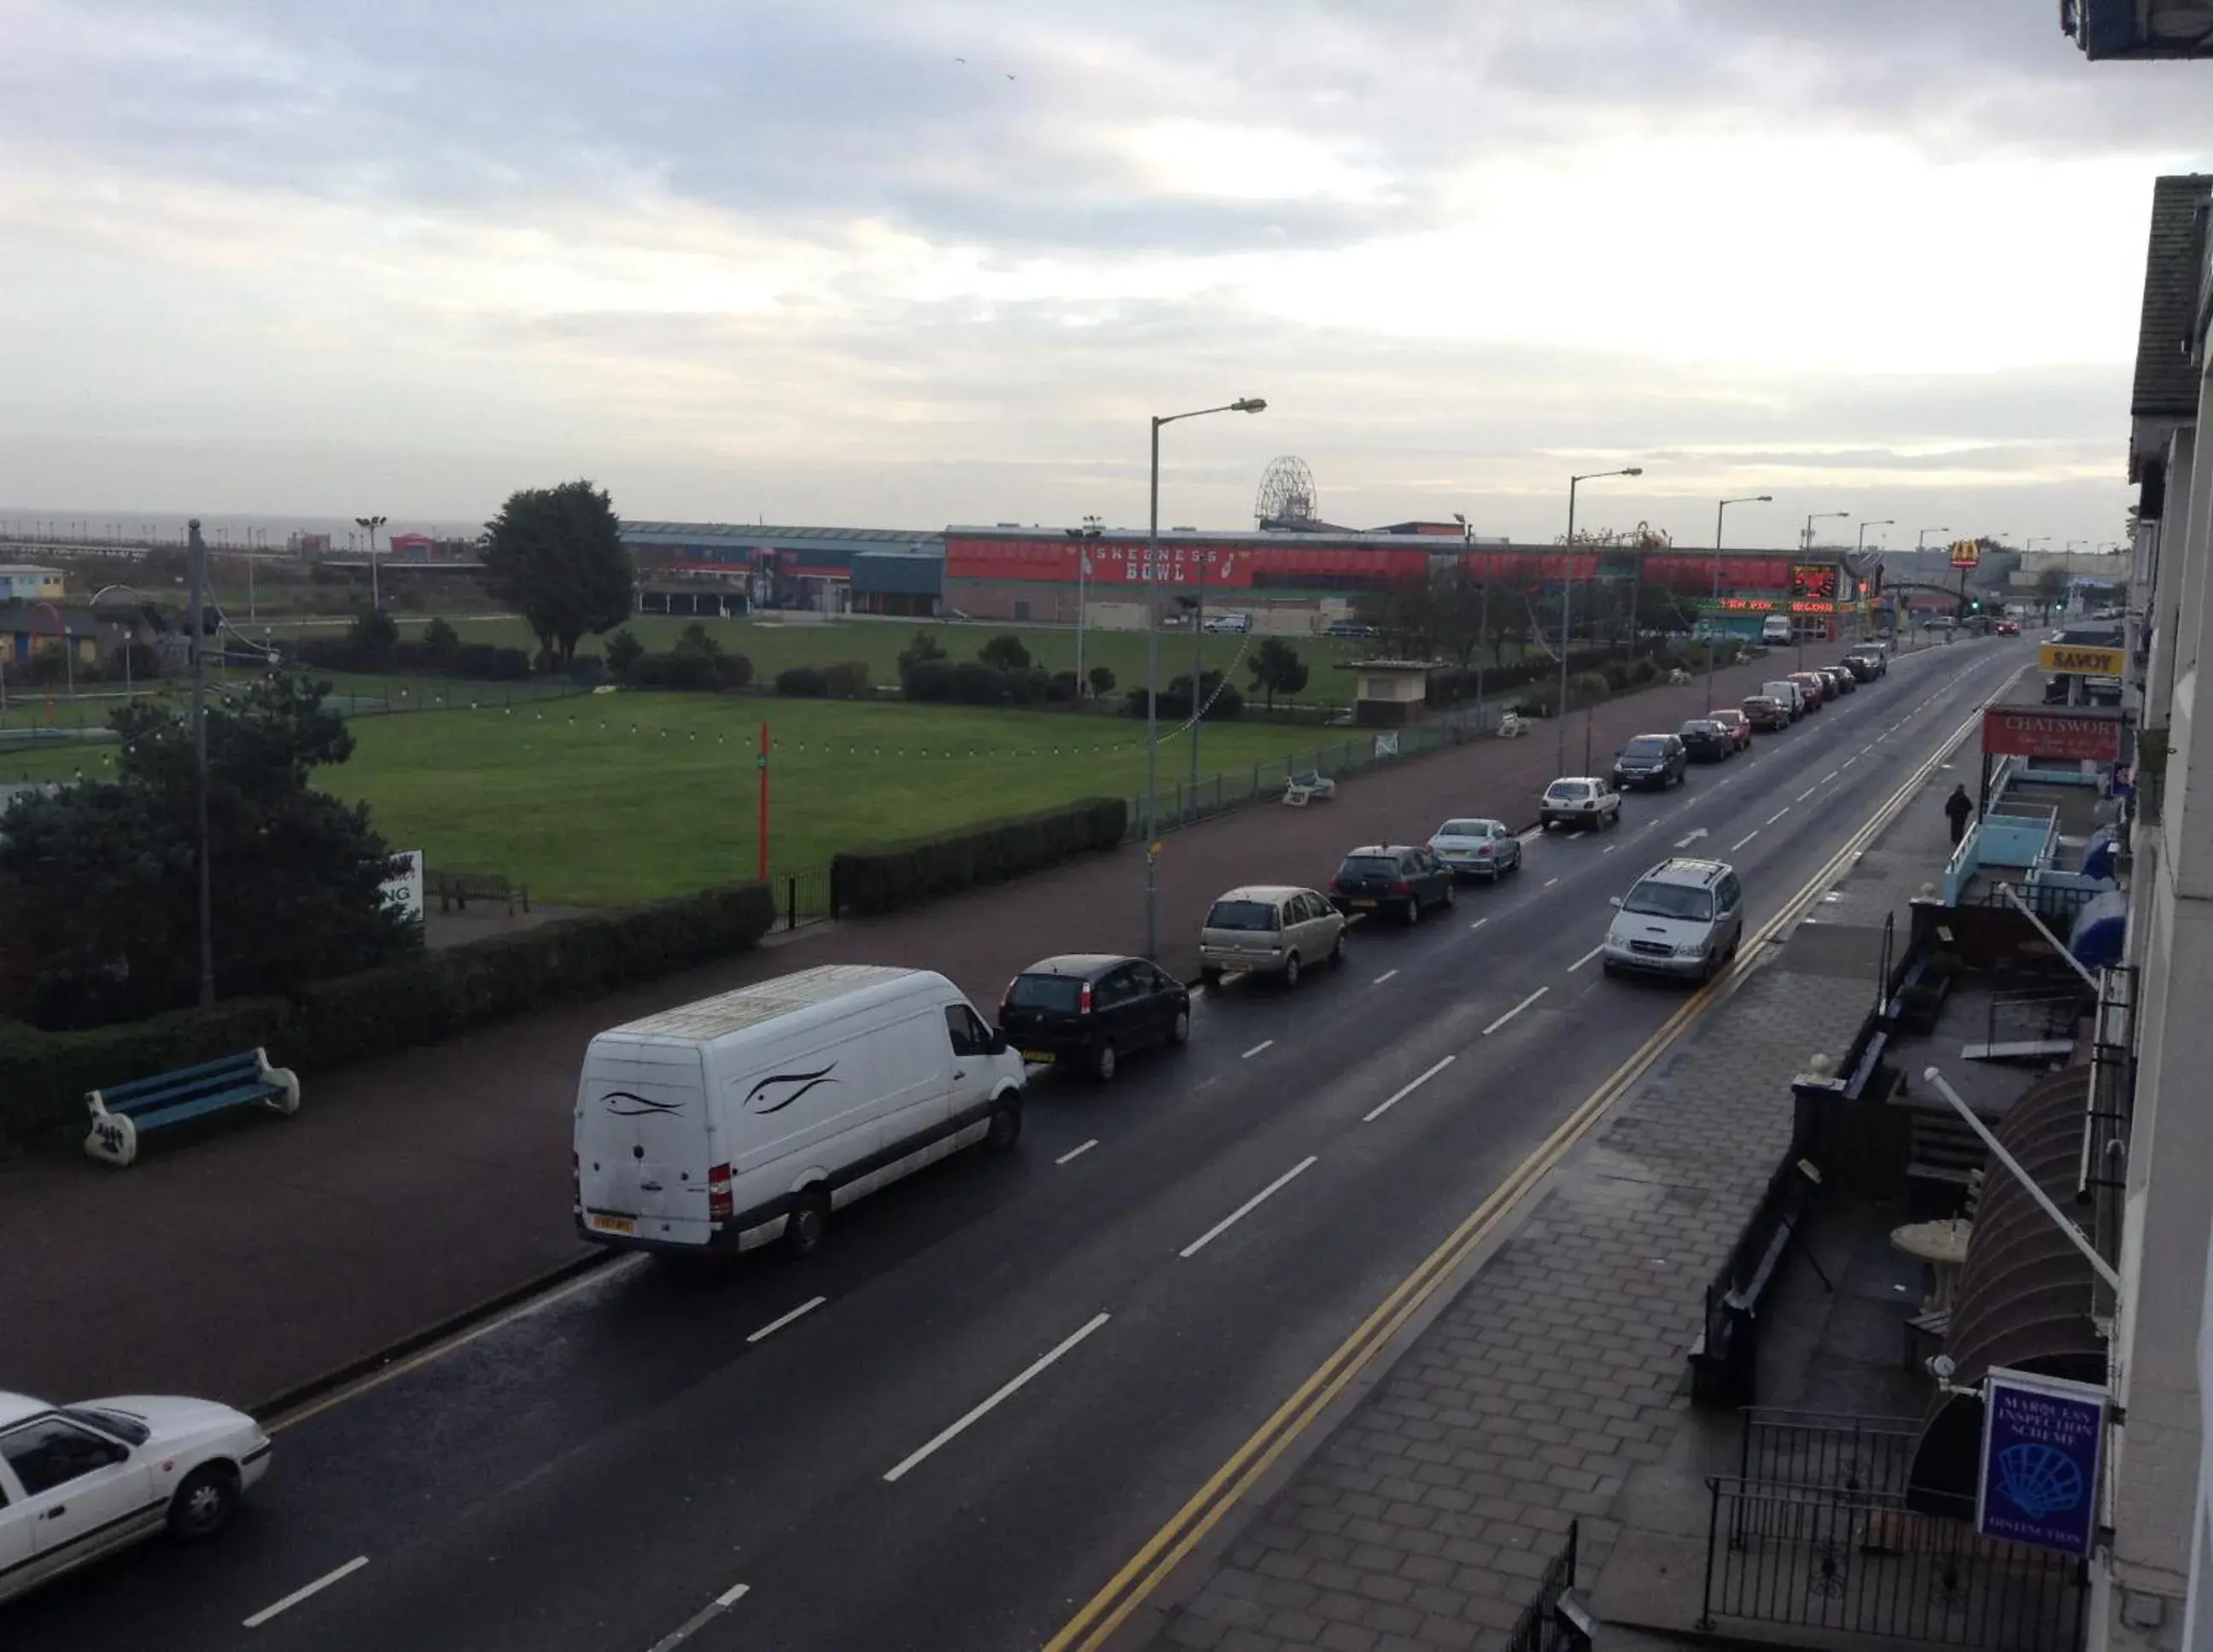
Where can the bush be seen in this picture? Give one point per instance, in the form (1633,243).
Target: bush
(1616,675)
(487,662)
(926,680)
(871,881)
(1643,673)
(43,1075)
(440,642)
(1223,702)
(802,682)
(733,671)
(1006,652)
(1588,688)
(1060,689)
(922,650)
(623,651)
(974,683)
(1102,680)
(848,679)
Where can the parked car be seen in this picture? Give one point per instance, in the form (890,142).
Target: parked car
(1683,918)
(1268,928)
(2006,628)
(1840,682)
(1790,694)
(1229,621)
(1477,847)
(1816,691)
(1706,740)
(78,1482)
(1352,628)
(1766,714)
(1653,761)
(1579,800)
(744,1118)
(1087,1010)
(1739,725)
(1873,654)
(1406,878)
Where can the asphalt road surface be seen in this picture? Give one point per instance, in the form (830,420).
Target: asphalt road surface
(1001,1375)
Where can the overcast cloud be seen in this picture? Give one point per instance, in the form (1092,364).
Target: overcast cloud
(801,261)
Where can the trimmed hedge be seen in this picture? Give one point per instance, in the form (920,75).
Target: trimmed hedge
(868,882)
(43,1075)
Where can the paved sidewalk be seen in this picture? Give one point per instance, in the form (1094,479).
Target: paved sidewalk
(413,1188)
(1426,1518)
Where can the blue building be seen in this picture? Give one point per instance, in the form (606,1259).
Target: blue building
(732,568)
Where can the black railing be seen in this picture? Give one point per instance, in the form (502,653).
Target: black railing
(1851,1457)
(2056,903)
(806,896)
(1725,1363)
(1870,1566)
(1541,1627)
(2038,1015)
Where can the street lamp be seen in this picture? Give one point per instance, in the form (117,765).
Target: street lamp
(1242,404)
(1859,549)
(1714,613)
(69,656)
(1567,597)
(1482,621)
(1798,630)
(130,630)
(368,525)
(1921,539)
(1092,528)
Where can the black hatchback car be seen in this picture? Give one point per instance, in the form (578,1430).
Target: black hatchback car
(1654,761)
(1707,741)
(1088,1009)
(1405,879)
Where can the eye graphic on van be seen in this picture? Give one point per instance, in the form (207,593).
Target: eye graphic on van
(756,1096)
(625,1104)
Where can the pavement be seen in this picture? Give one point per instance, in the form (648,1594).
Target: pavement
(1001,1376)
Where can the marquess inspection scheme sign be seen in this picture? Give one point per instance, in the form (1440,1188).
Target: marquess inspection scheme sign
(2043,1440)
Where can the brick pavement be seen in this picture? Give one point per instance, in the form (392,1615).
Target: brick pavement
(1424,1519)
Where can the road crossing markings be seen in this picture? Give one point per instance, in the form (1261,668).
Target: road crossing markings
(306,1591)
(699,1620)
(1077,1152)
(1247,1207)
(784,1320)
(1376,1112)
(1384,977)
(1745,839)
(1587,957)
(1516,1010)
(1006,1391)
(1265,1044)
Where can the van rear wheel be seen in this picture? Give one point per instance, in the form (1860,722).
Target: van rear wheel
(807,1223)
(1006,1127)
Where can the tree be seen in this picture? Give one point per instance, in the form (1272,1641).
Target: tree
(1277,669)
(1006,652)
(694,643)
(441,642)
(556,553)
(2051,588)
(370,639)
(1102,680)
(106,871)
(923,648)
(623,651)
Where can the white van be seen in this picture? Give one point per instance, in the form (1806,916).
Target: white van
(1777,628)
(748,1117)
(1792,695)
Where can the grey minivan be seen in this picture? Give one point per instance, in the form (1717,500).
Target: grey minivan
(1267,928)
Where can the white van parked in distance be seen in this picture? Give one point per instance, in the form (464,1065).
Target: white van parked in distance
(1232,621)
(1776,627)
(747,1117)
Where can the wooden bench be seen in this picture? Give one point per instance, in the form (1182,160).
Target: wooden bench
(122,1112)
(458,889)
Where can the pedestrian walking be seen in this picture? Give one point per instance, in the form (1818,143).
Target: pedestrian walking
(1959,809)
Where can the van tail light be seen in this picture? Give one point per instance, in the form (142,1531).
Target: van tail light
(576,1179)
(1083,1000)
(719,1208)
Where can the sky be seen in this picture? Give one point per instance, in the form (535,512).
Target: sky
(904,263)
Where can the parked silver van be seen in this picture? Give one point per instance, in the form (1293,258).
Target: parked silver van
(1267,928)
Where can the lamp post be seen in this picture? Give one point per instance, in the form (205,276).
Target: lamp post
(1567,597)
(1798,630)
(1242,404)
(130,631)
(368,525)
(1714,613)
(1093,527)
(1483,617)
(69,657)
(197,568)
(1859,549)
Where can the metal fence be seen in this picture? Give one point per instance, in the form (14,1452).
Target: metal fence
(1846,1456)
(2057,903)
(803,897)
(1539,1628)
(1725,1365)
(1868,1565)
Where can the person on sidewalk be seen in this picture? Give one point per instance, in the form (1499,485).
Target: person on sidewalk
(1959,809)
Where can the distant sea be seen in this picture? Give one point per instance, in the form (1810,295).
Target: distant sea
(26,523)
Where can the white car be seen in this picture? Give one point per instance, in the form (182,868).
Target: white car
(78,1482)
(1579,800)
(1477,847)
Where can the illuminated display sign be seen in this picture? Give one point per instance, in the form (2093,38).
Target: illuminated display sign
(1815,582)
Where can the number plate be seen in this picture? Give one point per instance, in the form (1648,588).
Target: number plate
(603,1225)
(1044,1058)
(1364,903)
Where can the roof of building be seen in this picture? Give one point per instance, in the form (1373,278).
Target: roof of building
(18,569)
(767,535)
(2175,278)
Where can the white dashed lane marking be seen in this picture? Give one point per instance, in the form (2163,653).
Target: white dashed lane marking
(1265,1044)
(1587,957)
(1376,1112)
(1516,1010)
(1745,839)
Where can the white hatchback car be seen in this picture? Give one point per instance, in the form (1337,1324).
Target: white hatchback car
(1476,848)
(78,1482)
(1580,801)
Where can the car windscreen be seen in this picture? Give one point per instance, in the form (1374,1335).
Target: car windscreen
(1669,900)
(1699,730)
(1567,790)
(120,1425)
(1242,915)
(1062,994)
(1464,829)
(1369,866)
(1650,745)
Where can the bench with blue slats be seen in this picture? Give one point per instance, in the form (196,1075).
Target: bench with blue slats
(122,1113)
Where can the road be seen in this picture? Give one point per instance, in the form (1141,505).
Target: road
(1002,1376)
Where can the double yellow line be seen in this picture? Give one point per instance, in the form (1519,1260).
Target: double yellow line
(1147,1570)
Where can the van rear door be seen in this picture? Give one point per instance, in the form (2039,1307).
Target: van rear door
(642,1142)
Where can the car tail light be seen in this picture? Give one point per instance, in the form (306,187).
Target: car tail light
(1083,1000)
(719,1207)
(1007,999)
(1483,851)
(1402,887)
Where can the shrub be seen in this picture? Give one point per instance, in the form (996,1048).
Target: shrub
(870,881)
(440,640)
(623,651)
(847,680)
(1616,675)
(487,662)
(1643,673)
(926,680)
(1102,680)
(1223,702)
(974,683)
(370,638)
(922,650)
(1062,688)
(802,682)
(1588,688)
(733,671)
(1006,652)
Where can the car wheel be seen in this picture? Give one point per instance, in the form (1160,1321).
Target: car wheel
(1210,979)
(1413,914)
(1451,896)
(1103,1062)
(1179,1029)
(1006,1127)
(1336,951)
(807,1223)
(204,1503)
(1291,971)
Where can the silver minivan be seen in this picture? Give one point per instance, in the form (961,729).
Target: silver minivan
(1268,928)
(1683,917)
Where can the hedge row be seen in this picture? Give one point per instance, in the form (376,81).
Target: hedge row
(474,662)
(43,1075)
(871,881)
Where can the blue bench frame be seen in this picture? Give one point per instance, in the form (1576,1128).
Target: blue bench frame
(122,1112)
